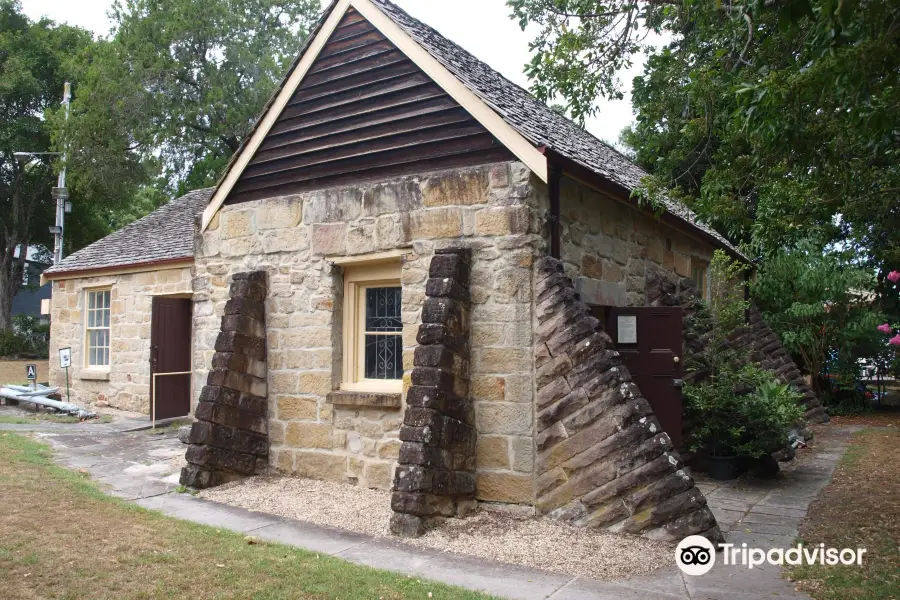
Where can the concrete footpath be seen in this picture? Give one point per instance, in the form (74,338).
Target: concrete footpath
(142,467)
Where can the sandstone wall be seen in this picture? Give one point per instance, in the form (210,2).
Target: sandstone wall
(611,249)
(603,460)
(490,209)
(127,384)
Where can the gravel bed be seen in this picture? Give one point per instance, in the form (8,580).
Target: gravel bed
(494,534)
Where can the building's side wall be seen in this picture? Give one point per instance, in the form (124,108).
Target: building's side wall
(610,248)
(131,296)
(491,209)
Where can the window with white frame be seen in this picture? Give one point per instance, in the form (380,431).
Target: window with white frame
(699,275)
(373,328)
(97,307)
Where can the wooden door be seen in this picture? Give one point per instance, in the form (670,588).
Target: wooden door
(170,352)
(651,341)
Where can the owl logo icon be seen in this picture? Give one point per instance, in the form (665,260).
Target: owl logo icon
(695,555)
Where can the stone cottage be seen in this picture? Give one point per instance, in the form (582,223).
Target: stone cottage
(413,276)
(114,301)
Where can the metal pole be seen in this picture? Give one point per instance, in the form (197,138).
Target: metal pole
(61,193)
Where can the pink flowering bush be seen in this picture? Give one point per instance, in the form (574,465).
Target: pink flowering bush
(885,328)
(894,276)
(895,341)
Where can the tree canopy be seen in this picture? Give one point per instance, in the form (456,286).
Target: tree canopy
(180,82)
(775,120)
(32,73)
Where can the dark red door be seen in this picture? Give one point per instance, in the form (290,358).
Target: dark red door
(170,352)
(650,340)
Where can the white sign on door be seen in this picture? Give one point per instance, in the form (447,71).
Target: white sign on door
(626,326)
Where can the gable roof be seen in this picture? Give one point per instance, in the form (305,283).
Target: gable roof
(165,235)
(534,119)
(522,118)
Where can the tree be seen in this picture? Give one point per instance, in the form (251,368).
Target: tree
(181,82)
(32,73)
(775,120)
(821,307)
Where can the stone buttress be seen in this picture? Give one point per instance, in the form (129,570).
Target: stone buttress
(602,459)
(230,438)
(435,476)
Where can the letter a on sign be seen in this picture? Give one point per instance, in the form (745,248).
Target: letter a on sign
(32,372)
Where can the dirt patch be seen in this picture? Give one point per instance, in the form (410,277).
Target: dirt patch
(501,536)
(858,509)
(885,417)
(13,371)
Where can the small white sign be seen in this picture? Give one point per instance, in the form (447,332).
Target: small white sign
(626,327)
(45,306)
(65,358)
(32,372)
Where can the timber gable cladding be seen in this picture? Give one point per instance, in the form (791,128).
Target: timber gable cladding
(363,111)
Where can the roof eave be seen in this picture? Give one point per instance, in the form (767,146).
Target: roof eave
(126,268)
(619,191)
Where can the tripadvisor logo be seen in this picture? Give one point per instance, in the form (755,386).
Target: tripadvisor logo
(696,555)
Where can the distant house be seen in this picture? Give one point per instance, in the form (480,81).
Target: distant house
(27,300)
(413,276)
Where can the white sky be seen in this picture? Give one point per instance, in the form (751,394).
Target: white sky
(482,27)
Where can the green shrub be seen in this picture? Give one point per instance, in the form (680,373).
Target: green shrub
(10,343)
(741,411)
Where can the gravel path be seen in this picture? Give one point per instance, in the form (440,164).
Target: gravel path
(501,536)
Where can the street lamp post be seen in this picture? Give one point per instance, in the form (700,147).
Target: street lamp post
(60,193)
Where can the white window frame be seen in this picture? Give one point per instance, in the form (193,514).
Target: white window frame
(704,285)
(88,294)
(357,279)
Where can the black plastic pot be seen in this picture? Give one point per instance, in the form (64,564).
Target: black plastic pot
(766,467)
(723,468)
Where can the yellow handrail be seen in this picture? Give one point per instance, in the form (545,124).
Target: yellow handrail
(153,398)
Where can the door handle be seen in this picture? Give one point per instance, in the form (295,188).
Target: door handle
(676,360)
(679,383)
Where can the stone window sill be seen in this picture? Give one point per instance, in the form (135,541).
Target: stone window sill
(94,375)
(365,399)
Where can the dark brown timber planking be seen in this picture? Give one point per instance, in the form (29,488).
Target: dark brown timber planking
(363,111)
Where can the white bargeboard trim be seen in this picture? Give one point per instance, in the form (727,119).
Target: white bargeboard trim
(481,112)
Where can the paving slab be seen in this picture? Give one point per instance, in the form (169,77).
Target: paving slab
(326,540)
(498,579)
(580,588)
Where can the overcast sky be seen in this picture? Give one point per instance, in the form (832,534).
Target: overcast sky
(482,27)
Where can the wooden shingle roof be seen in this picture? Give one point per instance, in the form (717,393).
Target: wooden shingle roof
(165,235)
(533,119)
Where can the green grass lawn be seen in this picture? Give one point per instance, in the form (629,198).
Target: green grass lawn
(61,537)
(858,509)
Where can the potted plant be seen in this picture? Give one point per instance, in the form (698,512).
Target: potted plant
(718,431)
(767,414)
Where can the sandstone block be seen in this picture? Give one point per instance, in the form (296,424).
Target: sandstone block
(279,213)
(492,452)
(435,223)
(315,382)
(237,223)
(378,475)
(319,465)
(464,188)
(329,239)
(290,408)
(488,388)
(503,418)
(507,220)
(504,487)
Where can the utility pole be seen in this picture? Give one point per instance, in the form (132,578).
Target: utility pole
(60,193)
